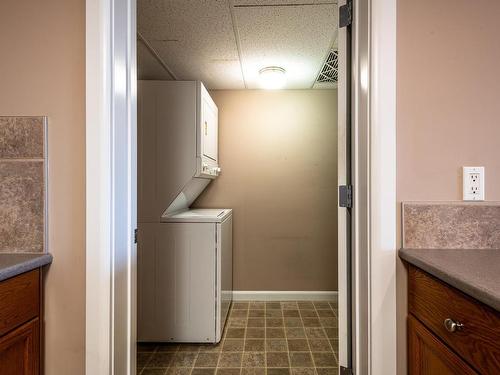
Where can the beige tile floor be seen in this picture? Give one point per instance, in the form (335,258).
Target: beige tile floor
(261,338)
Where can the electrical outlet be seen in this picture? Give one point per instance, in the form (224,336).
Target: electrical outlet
(473,183)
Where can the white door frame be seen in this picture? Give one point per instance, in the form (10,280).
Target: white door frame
(110,187)
(111,191)
(373,144)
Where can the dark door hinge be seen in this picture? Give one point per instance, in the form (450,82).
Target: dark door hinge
(346,371)
(345,196)
(345,14)
(135,235)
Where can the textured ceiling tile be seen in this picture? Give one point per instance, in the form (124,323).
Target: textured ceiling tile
(296,38)
(148,66)
(280,2)
(195,39)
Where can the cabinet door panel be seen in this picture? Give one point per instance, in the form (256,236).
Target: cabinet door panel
(427,355)
(20,350)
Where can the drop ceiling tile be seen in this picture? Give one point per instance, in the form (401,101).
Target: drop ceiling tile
(280,2)
(148,66)
(196,41)
(296,38)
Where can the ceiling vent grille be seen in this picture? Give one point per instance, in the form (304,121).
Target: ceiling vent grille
(330,70)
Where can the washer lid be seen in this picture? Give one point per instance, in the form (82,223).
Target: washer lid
(198,215)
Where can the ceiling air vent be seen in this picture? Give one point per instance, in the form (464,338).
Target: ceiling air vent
(330,70)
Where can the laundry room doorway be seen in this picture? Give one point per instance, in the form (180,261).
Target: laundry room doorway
(237,123)
(283,110)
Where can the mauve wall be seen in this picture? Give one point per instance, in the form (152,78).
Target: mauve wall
(448,106)
(278,154)
(42,72)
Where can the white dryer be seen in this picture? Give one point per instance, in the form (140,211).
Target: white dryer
(185,277)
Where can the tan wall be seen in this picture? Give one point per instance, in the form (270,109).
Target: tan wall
(278,153)
(42,72)
(448,84)
(448,109)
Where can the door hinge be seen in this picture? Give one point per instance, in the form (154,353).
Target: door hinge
(345,14)
(135,235)
(345,196)
(346,371)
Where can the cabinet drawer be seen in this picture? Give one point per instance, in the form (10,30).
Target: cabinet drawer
(478,341)
(19,300)
(427,355)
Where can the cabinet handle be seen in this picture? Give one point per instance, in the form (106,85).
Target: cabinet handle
(206,128)
(452,326)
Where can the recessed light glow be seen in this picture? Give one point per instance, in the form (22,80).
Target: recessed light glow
(272,78)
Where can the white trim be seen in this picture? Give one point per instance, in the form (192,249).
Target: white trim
(98,191)
(374,156)
(110,187)
(383,226)
(277,295)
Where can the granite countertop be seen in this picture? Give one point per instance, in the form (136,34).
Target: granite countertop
(13,264)
(473,271)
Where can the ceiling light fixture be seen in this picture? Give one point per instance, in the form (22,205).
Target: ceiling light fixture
(272,77)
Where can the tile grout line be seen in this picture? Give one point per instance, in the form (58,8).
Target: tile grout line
(336,317)
(149,359)
(307,338)
(324,331)
(286,337)
(265,338)
(244,339)
(259,306)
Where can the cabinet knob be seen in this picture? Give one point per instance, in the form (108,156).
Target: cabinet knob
(452,326)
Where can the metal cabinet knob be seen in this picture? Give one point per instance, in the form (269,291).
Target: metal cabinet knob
(452,326)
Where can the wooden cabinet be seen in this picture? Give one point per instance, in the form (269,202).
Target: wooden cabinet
(20,324)
(428,355)
(448,331)
(19,350)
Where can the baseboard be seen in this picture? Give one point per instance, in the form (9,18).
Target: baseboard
(277,295)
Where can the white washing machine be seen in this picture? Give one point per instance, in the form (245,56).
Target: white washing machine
(185,276)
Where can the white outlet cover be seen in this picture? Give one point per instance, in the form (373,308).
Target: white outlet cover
(473,183)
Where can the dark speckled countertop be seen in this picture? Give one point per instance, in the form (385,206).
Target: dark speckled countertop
(475,272)
(13,264)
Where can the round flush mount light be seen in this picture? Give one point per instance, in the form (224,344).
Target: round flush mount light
(272,77)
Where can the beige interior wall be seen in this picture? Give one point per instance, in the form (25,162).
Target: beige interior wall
(42,72)
(448,84)
(278,153)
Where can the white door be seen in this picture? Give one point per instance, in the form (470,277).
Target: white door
(209,124)
(344,213)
